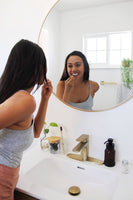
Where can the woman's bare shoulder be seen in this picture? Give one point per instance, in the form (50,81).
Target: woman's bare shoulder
(61,84)
(26,98)
(60,89)
(95,85)
(17,108)
(22,99)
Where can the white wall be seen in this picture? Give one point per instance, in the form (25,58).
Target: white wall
(23,19)
(20,19)
(108,95)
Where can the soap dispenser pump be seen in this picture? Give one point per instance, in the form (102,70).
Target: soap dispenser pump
(109,157)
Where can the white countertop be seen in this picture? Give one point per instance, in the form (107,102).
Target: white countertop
(33,156)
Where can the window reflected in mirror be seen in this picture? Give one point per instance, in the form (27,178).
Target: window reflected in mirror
(107,48)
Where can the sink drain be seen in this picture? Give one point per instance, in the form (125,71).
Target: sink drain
(74,190)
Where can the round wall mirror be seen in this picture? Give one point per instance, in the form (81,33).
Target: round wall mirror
(102,31)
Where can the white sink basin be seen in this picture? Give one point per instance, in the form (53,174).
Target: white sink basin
(54,175)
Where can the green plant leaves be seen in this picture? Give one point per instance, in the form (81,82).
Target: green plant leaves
(53,124)
(46,130)
(127,72)
(126,62)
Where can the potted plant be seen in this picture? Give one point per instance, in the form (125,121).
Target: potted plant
(126,62)
(127,72)
(43,140)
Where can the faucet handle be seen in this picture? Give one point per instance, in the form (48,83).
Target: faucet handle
(83,138)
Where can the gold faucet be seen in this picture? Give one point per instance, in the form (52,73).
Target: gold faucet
(81,147)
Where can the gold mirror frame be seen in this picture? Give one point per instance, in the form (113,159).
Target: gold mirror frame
(99,110)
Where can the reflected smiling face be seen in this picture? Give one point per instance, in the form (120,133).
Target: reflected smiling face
(75,67)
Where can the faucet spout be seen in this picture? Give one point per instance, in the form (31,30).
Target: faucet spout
(81,147)
(83,142)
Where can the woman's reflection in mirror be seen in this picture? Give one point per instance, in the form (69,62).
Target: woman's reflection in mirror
(74,87)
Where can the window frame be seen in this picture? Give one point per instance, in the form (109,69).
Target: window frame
(105,34)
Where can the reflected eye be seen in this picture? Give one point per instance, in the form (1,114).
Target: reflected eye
(70,66)
(78,64)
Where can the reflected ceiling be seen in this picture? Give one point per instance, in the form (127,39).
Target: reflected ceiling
(74,4)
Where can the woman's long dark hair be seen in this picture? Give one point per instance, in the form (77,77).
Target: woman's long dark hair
(65,75)
(25,67)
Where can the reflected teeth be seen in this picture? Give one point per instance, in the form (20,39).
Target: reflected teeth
(74,74)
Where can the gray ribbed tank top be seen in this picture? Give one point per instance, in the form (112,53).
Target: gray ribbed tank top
(85,105)
(12,145)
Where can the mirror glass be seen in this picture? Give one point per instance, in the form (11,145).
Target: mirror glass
(71,24)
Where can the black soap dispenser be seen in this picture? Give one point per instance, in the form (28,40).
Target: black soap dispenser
(109,157)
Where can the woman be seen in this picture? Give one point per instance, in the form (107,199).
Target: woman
(26,67)
(74,87)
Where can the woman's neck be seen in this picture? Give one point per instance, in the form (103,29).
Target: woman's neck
(79,82)
(29,89)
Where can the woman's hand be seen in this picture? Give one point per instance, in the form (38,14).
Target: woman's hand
(40,116)
(64,89)
(69,83)
(47,89)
